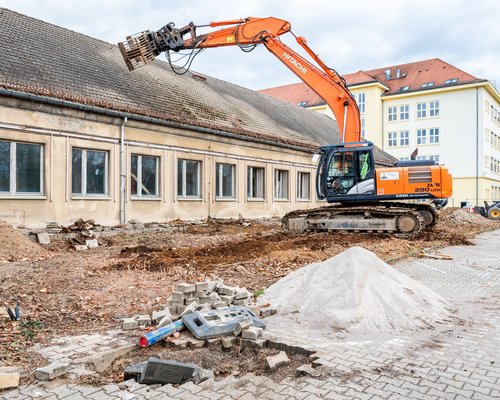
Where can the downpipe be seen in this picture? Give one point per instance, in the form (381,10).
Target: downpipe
(122,171)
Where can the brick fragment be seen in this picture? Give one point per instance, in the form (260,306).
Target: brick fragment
(51,371)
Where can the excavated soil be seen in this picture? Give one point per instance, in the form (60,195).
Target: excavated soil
(73,292)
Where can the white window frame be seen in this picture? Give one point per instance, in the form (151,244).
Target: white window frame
(182,171)
(362,102)
(404,112)
(392,138)
(421,136)
(139,177)
(420,158)
(434,108)
(433,135)
(392,113)
(363,127)
(422,110)
(404,138)
(13,170)
(219,167)
(303,191)
(250,174)
(83,186)
(278,184)
(434,157)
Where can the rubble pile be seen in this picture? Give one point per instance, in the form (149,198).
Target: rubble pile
(355,292)
(14,246)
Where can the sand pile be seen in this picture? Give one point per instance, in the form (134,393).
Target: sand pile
(14,246)
(355,292)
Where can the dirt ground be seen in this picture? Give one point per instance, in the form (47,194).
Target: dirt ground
(62,291)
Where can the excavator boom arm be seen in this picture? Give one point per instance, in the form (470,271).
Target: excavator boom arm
(325,82)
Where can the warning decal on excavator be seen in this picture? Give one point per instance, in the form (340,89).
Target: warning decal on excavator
(380,191)
(230,39)
(389,176)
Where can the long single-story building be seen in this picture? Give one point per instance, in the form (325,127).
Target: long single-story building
(82,137)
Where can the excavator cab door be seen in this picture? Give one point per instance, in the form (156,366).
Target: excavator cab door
(345,172)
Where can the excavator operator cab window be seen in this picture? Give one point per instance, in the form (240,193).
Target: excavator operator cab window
(350,173)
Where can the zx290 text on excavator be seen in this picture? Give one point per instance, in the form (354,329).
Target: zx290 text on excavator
(363,198)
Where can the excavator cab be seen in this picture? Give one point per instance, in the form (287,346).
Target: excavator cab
(346,172)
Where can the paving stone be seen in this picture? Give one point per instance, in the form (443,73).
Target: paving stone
(129,324)
(185,287)
(177,296)
(252,333)
(241,326)
(226,290)
(91,243)
(157,316)
(280,359)
(227,299)
(228,341)
(143,320)
(166,320)
(52,371)
(43,238)
(191,308)
(241,294)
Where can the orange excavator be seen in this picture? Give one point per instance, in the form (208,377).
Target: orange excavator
(366,199)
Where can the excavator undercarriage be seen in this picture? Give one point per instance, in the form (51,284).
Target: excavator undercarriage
(398,219)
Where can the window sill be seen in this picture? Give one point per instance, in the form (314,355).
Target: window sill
(189,199)
(89,197)
(225,199)
(282,200)
(256,200)
(152,198)
(303,200)
(12,196)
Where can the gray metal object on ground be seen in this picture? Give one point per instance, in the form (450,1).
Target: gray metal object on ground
(214,323)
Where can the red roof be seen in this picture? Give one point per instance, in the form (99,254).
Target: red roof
(402,78)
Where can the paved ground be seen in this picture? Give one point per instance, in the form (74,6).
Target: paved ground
(458,360)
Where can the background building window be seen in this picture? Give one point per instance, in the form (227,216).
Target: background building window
(21,168)
(404,138)
(434,158)
(144,176)
(393,113)
(363,127)
(188,178)
(224,181)
(421,136)
(89,172)
(404,112)
(420,158)
(434,108)
(361,103)
(393,139)
(434,135)
(421,110)
(303,185)
(255,183)
(280,184)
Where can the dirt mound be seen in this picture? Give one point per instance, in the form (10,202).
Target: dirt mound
(461,216)
(14,246)
(356,292)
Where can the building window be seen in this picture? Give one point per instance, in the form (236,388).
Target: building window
(393,113)
(393,139)
(404,88)
(421,136)
(224,185)
(404,138)
(434,108)
(89,172)
(144,176)
(450,81)
(361,103)
(303,185)
(434,158)
(255,183)
(21,168)
(428,84)
(302,103)
(189,178)
(421,110)
(404,158)
(420,158)
(434,135)
(281,184)
(363,127)
(404,112)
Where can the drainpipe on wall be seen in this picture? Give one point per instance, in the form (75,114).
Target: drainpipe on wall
(477,147)
(122,171)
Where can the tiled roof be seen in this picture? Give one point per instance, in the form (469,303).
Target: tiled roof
(411,77)
(47,60)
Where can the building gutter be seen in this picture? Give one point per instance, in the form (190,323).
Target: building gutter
(122,171)
(136,117)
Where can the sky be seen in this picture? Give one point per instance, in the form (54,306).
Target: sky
(349,35)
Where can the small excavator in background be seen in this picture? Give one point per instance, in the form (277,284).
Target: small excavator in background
(365,198)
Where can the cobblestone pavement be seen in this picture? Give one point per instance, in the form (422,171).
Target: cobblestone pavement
(457,360)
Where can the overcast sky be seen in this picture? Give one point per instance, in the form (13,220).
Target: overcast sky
(349,35)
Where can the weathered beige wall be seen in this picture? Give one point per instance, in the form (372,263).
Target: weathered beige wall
(58,130)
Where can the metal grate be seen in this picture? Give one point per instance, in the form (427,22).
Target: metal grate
(420,175)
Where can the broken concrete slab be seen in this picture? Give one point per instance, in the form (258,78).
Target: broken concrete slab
(157,316)
(52,371)
(166,371)
(9,379)
(201,375)
(242,325)
(191,308)
(252,333)
(307,370)
(277,361)
(92,243)
(43,238)
(101,361)
(166,320)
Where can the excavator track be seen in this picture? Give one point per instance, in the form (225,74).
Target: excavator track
(398,219)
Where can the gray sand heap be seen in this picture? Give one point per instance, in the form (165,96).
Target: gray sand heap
(356,292)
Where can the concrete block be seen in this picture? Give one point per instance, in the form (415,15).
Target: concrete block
(166,320)
(220,304)
(205,300)
(201,375)
(241,302)
(194,343)
(202,287)
(92,243)
(129,324)
(166,371)
(191,308)
(9,380)
(51,371)
(214,297)
(200,293)
(43,238)
(180,344)
(228,341)
(143,320)
(213,343)
(80,247)
(242,325)
(177,296)
(228,299)
(211,285)
(226,290)
(157,316)
(255,308)
(277,361)
(266,312)
(242,294)
(174,303)
(185,287)
(191,300)
(307,370)
(252,333)
(257,344)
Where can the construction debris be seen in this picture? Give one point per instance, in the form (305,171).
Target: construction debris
(436,255)
(280,359)
(43,238)
(52,371)
(9,377)
(168,371)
